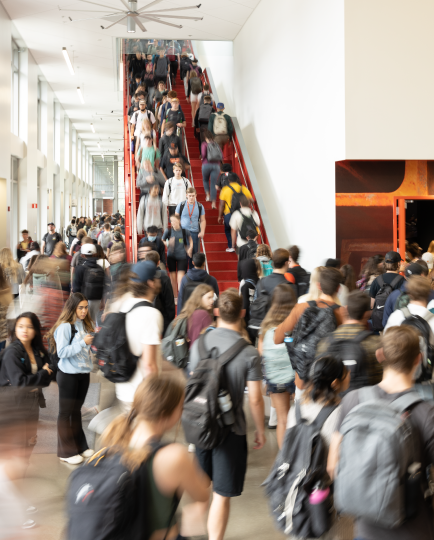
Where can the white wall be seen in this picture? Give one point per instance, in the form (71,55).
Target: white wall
(289,95)
(389,48)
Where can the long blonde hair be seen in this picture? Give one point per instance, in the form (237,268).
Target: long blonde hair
(9,265)
(155,399)
(195,301)
(314,291)
(282,302)
(69,315)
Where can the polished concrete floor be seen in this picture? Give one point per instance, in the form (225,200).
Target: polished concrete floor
(47,479)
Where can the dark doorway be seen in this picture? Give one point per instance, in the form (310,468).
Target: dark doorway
(419,222)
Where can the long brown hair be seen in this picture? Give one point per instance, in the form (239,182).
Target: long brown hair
(349,276)
(195,301)
(156,399)
(10,266)
(282,302)
(39,266)
(69,315)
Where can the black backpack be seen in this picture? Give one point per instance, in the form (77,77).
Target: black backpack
(201,417)
(93,282)
(247,224)
(115,359)
(54,358)
(106,501)
(354,356)
(300,466)
(380,301)
(314,324)
(191,285)
(235,202)
(259,308)
(185,64)
(422,326)
(252,247)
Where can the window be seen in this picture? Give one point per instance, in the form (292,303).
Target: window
(121,188)
(56,133)
(66,144)
(39,127)
(74,151)
(15,89)
(14,201)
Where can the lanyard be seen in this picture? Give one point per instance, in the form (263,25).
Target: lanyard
(191,214)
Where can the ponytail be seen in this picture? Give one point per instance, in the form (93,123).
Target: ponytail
(323,372)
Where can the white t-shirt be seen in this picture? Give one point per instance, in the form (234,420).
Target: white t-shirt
(178,192)
(200,96)
(398,317)
(138,118)
(236,222)
(142,137)
(144,327)
(103,263)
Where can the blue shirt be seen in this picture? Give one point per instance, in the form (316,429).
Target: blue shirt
(74,357)
(393,297)
(191,224)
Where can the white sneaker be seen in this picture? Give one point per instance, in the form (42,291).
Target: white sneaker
(31,510)
(29,524)
(176,301)
(207,197)
(230,250)
(74,460)
(88,453)
(191,448)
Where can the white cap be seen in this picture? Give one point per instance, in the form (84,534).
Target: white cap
(429,259)
(88,249)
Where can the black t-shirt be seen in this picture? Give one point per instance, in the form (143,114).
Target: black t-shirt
(168,161)
(177,117)
(422,417)
(388,278)
(50,242)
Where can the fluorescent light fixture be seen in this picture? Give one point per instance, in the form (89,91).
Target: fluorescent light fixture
(80,94)
(92,128)
(99,146)
(68,60)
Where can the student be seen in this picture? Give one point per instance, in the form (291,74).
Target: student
(193,220)
(76,244)
(175,189)
(25,364)
(23,247)
(349,277)
(71,337)
(167,106)
(50,239)
(161,67)
(201,120)
(278,371)
(202,95)
(194,88)
(158,96)
(392,261)
(297,275)
(249,249)
(225,170)
(227,463)
(355,317)
(154,238)
(228,207)
(89,280)
(400,358)
(13,270)
(220,124)
(343,289)
(249,271)
(147,132)
(264,254)
(373,268)
(210,169)
(157,409)
(197,274)
(175,115)
(277,277)
(169,139)
(169,159)
(6,299)
(138,117)
(243,220)
(105,237)
(179,243)
(152,212)
(117,239)
(164,301)
(34,250)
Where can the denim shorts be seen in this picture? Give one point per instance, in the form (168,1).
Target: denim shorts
(280,388)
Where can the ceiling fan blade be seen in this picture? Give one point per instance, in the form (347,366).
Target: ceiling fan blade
(175,17)
(116,22)
(149,5)
(173,9)
(93,18)
(152,19)
(139,24)
(83,10)
(101,5)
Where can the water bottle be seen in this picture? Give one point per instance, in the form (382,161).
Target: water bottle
(320,503)
(225,404)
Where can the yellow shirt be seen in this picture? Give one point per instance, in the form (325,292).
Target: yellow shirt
(227,193)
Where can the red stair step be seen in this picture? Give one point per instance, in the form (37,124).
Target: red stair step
(222,265)
(221,256)
(215,246)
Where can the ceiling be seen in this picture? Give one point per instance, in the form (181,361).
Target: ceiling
(45,29)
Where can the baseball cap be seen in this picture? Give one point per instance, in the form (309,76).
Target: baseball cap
(142,101)
(88,249)
(429,259)
(333,263)
(144,270)
(220,105)
(392,257)
(51,223)
(414,269)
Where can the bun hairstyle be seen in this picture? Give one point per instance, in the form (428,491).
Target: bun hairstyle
(323,372)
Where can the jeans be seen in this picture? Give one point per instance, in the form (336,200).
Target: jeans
(228,230)
(151,92)
(210,174)
(196,247)
(71,439)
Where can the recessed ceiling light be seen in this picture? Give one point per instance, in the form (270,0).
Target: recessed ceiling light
(80,95)
(68,60)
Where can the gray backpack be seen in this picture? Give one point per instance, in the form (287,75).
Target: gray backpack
(378,459)
(106,238)
(205,112)
(174,346)
(213,152)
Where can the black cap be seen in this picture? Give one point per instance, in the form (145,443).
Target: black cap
(414,269)
(392,257)
(51,223)
(333,263)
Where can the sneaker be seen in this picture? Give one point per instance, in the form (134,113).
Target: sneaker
(31,510)
(176,301)
(29,524)
(74,460)
(88,453)
(230,250)
(207,197)
(191,448)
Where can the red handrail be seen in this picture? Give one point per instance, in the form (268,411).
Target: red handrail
(127,172)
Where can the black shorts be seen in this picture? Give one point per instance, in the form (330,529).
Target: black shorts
(226,465)
(177,264)
(172,210)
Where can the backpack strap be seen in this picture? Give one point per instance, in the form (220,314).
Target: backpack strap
(182,208)
(312,303)
(380,280)
(428,316)
(361,336)
(251,282)
(73,332)
(324,413)
(406,312)
(396,281)
(144,303)
(226,357)
(405,402)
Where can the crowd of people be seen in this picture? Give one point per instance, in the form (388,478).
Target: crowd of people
(346,364)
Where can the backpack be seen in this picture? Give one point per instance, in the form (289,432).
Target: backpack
(191,285)
(427,350)
(251,296)
(181,209)
(174,346)
(185,184)
(205,112)
(196,85)
(402,301)
(149,71)
(220,126)
(105,240)
(202,100)
(54,357)
(354,356)
(247,224)
(105,500)
(213,152)
(314,324)
(259,308)
(185,64)
(252,248)
(73,231)
(77,247)
(298,469)
(235,201)
(94,233)
(378,449)
(115,359)
(380,301)
(201,417)
(267,268)
(93,282)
